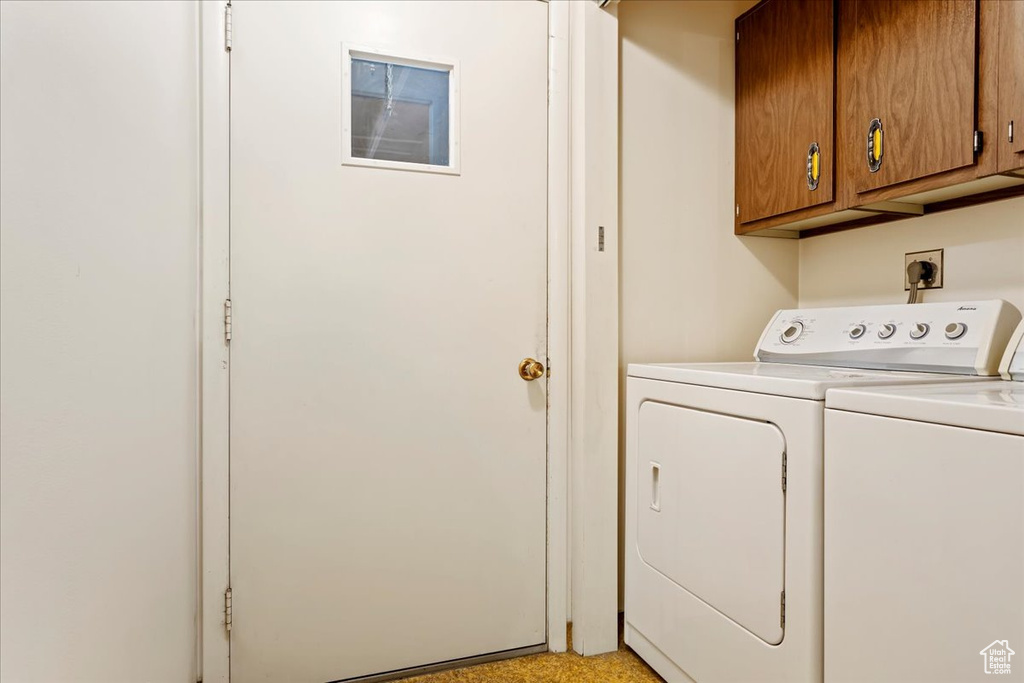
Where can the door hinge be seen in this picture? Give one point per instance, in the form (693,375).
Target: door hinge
(737,211)
(1009,132)
(227,27)
(979,141)
(227,610)
(227,320)
(737,36)
(782,609)
(783,472)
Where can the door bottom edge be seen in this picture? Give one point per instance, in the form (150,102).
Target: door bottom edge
(446,665)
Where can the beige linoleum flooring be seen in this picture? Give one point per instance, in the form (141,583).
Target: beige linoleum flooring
(622,666)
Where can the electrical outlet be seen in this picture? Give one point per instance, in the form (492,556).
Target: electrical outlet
(935,256)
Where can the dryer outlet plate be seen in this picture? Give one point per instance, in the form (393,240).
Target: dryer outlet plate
(933,255)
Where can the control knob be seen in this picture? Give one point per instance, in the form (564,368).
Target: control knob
(919,330)
(955,330)
(857,331)
(792,333)
(886,331)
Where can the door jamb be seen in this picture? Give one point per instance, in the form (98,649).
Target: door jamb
(559,322)
(214,187)
(214,284)
(594,351)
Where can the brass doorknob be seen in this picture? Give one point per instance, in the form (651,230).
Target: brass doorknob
(531,369)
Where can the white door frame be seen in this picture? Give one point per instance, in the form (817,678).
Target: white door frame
(582,194)
(214,274)
(594,323)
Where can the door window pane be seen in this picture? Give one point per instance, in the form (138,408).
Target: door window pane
(400,113)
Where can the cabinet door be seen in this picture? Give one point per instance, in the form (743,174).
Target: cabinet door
(1010,58)
(784,104)
(911,67)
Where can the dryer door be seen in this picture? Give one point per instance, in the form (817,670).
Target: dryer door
(711,510)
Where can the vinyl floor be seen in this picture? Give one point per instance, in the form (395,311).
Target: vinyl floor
(622,666)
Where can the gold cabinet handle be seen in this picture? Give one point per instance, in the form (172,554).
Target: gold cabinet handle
(813,166)
(874,145)
(531,369)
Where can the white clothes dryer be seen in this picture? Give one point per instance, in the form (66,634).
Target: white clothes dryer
(924,531)
(723,573)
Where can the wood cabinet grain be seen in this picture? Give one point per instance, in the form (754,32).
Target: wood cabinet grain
(912,67)
(1010,97)
(784,105)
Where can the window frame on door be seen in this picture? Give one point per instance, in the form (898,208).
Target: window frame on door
(350,51)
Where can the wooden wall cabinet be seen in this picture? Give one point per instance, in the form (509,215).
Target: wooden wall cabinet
(914,81)
(1009,66)
(908,67)
(784,108)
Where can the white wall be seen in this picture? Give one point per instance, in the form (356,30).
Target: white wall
(690,290)
(984,258)
(98,240)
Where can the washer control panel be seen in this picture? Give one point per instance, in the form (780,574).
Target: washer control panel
(957,337)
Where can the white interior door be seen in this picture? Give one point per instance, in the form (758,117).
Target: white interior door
(387,460)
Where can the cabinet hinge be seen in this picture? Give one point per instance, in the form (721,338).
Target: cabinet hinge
(1009,132)
(227,320)
(782,610)
(783,472)
(227,610)
(227,27)
(979,141)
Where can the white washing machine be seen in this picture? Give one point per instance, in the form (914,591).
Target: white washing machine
(924,531)
(724,481)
